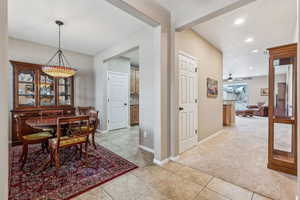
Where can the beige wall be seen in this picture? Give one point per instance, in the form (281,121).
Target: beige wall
(210,66)
(3,101)
(25,51)
(254,86)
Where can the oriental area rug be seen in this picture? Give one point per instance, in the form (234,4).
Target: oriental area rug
(75,176)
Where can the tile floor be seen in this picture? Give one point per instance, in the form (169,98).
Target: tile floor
(239,155)
(173,181)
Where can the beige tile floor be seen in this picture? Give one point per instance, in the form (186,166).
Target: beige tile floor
(239,155)
(173,181)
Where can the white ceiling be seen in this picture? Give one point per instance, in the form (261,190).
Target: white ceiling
(186,11)
(90,25)
(269,22)
(133,56)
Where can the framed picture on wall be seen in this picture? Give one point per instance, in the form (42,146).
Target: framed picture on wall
(264,92)
(212,88)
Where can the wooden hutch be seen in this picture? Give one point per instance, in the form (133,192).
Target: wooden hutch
(283,109)
(35,91)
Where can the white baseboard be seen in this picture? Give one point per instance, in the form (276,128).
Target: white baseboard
(161,162)
(174,158)
(211,136)
(146,149)
(102,131)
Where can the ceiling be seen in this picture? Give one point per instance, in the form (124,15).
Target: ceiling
(190,10)
(270,23)
(90,25)
(133,56)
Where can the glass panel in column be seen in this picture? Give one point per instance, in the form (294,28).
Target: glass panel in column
(283,88)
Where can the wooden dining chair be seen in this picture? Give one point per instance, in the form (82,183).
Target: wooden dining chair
(85,110)
(74,137)
(33,138)
(94,117)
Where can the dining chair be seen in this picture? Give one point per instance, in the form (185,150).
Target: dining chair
(85,110)
(32,138)
(94,117)
(74,137)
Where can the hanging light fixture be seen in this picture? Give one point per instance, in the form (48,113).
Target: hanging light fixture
(60,69)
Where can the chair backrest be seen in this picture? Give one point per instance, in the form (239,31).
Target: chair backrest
(74,126)
(51,113)
(18,127)
(93,114)
(84,110)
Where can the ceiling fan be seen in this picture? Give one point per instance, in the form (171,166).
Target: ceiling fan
(231,78)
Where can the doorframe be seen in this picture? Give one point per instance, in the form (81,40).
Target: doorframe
(108,95)
(177,74)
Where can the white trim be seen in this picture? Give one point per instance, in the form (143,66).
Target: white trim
(211,136)
(146,149)
(161,162)
(174,158)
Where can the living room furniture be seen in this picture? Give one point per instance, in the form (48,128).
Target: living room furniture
(78,128)
(282,153)
(261,110)
(246,112)
(30,138)
(35,92)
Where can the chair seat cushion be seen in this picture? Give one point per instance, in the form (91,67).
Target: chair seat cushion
(38,136)
(66,140)
(83,128)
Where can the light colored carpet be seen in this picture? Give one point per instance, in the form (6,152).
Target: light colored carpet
(239,155)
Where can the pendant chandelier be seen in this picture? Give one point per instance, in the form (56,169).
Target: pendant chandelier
(61,68)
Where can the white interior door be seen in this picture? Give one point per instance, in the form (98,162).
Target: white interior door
(118,97)
(188,98)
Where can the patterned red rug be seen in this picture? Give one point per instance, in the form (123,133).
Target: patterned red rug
(74,176)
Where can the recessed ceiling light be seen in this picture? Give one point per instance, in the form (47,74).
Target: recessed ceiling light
(250,67)
(249,39)
(255,51)
(239,21)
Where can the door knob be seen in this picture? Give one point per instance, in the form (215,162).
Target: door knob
(125,104)
(180,108)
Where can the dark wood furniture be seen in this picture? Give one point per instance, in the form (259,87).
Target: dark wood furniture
(30,138)
(94,117)
(78,128)
(35,93)
(282,152)
(134,115)
(227,114)
(51,113)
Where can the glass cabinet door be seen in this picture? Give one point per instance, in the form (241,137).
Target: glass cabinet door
(65,91)
(26,88)
(47,90)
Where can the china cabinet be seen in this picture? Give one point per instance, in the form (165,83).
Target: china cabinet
(35,91)
(283,109)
